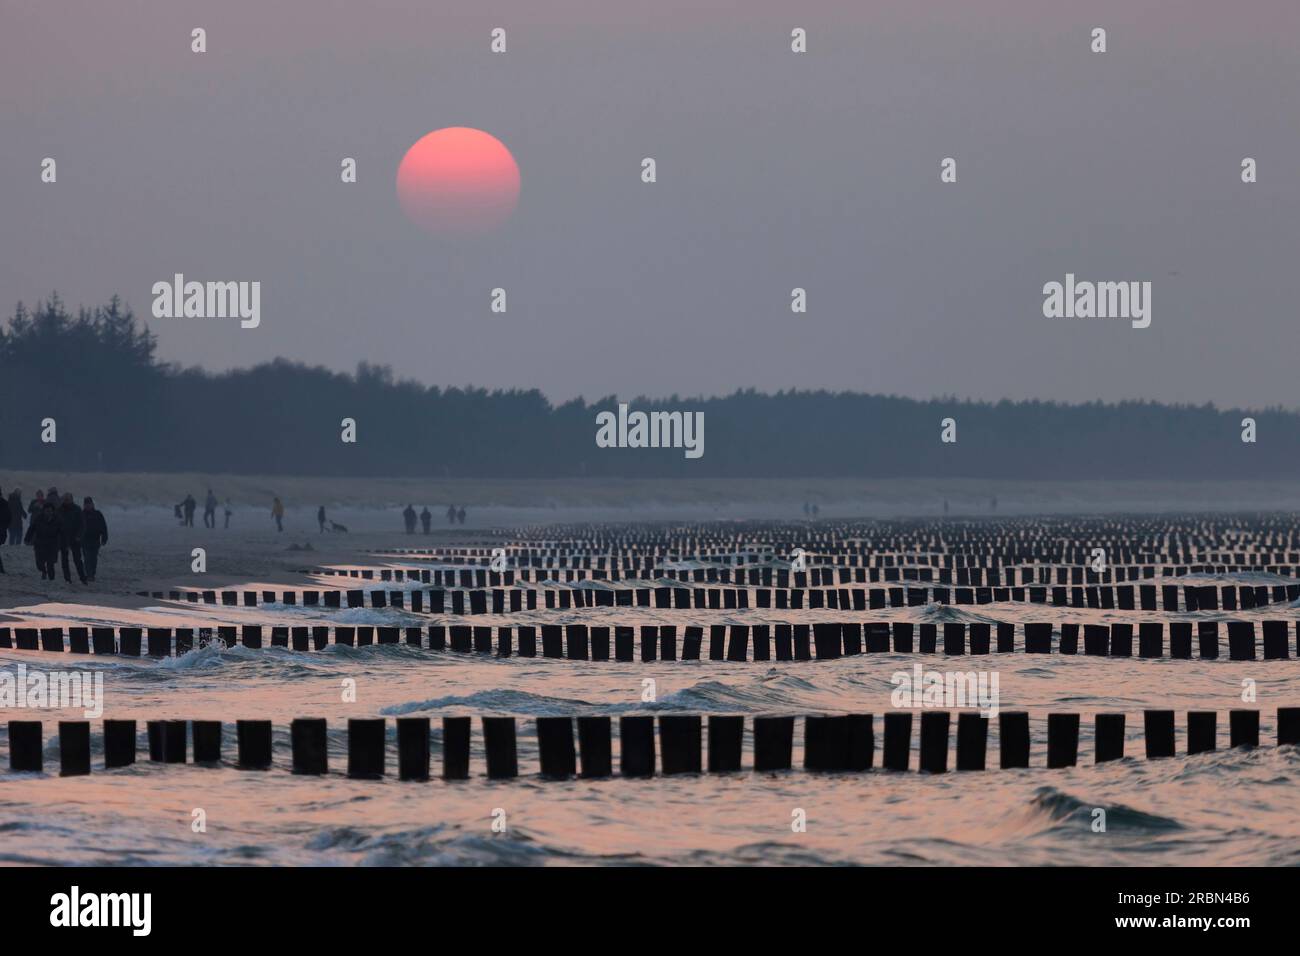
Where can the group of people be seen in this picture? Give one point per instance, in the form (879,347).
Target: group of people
(185,511)
(56,528)
(425,517)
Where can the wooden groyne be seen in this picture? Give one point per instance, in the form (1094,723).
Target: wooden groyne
(739,643)
(831,742)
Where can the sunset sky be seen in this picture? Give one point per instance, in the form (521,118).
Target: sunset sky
(775,170)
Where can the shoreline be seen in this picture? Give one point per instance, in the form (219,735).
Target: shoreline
(670,498)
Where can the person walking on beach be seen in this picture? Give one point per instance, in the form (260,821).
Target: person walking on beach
(408,516)
(426,518)
(36,507)
(229,512)
(320,518)
(43,534)
(94,535)
(72,524)
(189,504)
(4,524)
(16,515)
(460,515)
(451,514)
(277,512)
(210,510)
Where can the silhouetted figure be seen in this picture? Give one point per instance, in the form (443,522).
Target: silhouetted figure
(179,513)
(277,512)
(807,509)
(210,510)
(460,515)
(4,523)
(229,512)
(16,515)
(320,518)
(426,518)
(993,504)
(816,511)
(408,516)
(451,514)
(945,505)
(44,534)
(72,522)
(35,508)
(94,535)
(190,504)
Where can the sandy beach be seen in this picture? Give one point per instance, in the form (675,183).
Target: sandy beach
(149,550)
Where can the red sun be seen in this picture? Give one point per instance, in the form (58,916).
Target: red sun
(458,181)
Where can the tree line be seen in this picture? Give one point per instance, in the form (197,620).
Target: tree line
(118,408)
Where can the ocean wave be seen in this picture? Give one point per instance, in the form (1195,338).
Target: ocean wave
(711,695)
(1060,808)
(503,701)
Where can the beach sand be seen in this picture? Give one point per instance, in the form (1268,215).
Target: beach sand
(148,550)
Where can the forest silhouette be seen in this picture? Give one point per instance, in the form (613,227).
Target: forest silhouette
(118,408)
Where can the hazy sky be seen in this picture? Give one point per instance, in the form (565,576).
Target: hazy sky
(776,170)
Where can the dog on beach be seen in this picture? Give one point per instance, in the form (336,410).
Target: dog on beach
(339,528)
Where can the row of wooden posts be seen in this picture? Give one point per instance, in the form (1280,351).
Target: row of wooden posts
(831,742)
(470,577)
(510,600)
(736,642)
(963,568)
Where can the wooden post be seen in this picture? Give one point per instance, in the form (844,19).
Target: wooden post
(636,746)
(1288,726)
(972,740)
(1013,739)
(679,740)
(205,735)
(455,748)
(412,748)
(934,741)
(499,743)
(253,742)
(74,748)
(1108,734)
(898,740)
(725,737)
(1062,740)
(773,743)
(1243,728)
(119,743)
(555,745)
(1159,725)
(310,755)
(1202,731)
(595,744)
(366,748)
(26,749)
